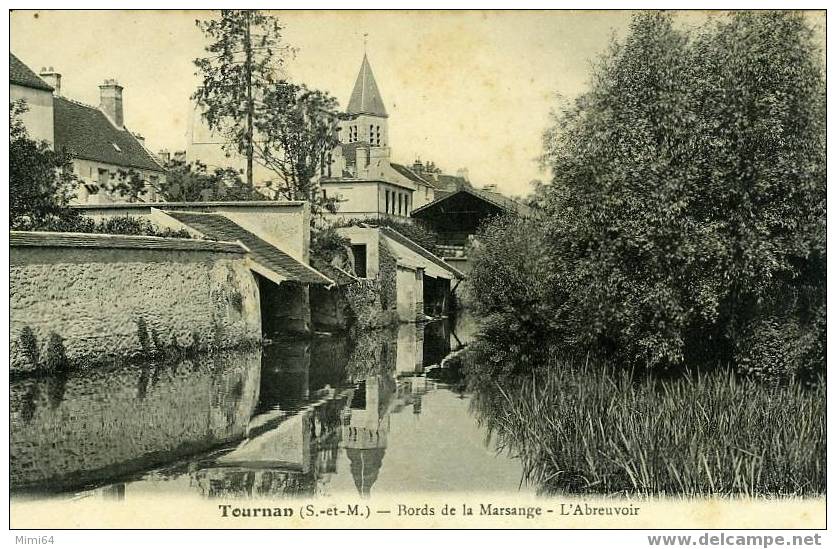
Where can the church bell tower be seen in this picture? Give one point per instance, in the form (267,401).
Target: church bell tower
(366,117)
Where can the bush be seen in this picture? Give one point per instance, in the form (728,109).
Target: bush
(41,180)
(510,283)
(328,246)
(72,222)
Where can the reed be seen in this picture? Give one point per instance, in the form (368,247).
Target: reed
(597,430)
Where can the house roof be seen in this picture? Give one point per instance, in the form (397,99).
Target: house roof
(216,226)
(350,150)
(22,75)
(365,98)
(420,250)
(87,133)
(500,201)
(451,182)
(411,175)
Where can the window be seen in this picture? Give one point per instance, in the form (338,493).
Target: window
(406,204)
(359,253)
(400,203)
(378,135)
(104,177)
(387,200)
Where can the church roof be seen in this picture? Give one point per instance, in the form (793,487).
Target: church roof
(365,99)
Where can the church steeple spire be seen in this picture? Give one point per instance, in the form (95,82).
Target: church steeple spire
(365,98)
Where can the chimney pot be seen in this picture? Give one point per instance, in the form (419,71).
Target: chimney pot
(52,78)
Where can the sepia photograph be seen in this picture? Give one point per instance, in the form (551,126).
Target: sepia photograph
(418,269)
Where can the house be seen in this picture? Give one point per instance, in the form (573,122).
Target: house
(360,172)
(424,283)
(456,215)
(25,85)
(102,147)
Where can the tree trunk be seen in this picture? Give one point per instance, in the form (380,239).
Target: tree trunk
(249,83)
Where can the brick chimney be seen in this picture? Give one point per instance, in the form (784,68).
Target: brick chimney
(111,102)
(52,78)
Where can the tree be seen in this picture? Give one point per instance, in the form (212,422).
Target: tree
(128,184)
(246,57)
(41,180)
(685,220)
(537,196)
(689,188)
(192,182)
(298,129)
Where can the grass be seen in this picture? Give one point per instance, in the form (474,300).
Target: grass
(593,430)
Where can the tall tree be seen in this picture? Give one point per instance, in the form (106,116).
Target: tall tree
(246,58)
(688,192)
(684,224)
(297,126)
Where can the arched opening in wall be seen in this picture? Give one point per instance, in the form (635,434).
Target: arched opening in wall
(437,298)
(285,308)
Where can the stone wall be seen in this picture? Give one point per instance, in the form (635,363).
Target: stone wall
(98,296)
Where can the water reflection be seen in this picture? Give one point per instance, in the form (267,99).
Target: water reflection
(317,417)
(75,428)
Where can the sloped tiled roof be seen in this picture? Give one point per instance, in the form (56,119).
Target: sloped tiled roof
(216,226)
(86,132)
(350,150)
(411,175)
(340,276)
(420,250)
(365,98)
(500,201)
(22,75)
(451,182)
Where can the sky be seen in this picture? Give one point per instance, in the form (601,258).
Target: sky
(464,89)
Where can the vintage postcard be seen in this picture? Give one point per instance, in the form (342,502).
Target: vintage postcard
(418,269)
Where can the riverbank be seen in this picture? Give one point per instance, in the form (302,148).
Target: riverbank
(593,430)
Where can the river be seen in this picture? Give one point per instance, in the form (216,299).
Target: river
(378,413)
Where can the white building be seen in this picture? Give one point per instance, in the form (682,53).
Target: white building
(361,174)
(101,146)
